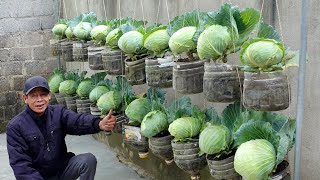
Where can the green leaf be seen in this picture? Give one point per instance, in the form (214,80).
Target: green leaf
(193,18)
(152,31)
(178,108)
(230,115)
(97,77)
(90,17)
(282,149)
(267,31)
(291,59)
(130,24)
(211,115)
(256,130)
(74,22)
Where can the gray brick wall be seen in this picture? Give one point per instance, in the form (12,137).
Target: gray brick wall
(24,49)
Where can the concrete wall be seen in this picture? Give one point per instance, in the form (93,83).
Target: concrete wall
(25,32)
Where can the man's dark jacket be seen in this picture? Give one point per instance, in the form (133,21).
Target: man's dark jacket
(36,145)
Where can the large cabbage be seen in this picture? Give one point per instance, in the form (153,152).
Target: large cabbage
(185,127)
(97,92)
(69,33)
(82,30)
(68,87)
(213,42)
(214,139)
(131,42)
(84,89)
(59,30)
(255,159)
(54,82)
(157,41)
(110,100)
(99,33)
(153,123)
(113,38)
(182,40)
(137,109)
(262,53)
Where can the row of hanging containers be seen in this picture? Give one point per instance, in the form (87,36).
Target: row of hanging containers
(191,54)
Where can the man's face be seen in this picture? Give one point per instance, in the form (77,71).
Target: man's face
(38,100)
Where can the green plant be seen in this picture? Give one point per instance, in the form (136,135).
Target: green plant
(72,79)
(56,77)
(156,41)
(59,29)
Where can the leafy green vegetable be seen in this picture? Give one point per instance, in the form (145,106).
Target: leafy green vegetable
(109,100)
(97,92)
(84,88)
(153,123)
(68,87)
(156,41)
(69,33)
(55,79)
(59,29)
(137,109)
(185,127)
(182,40)
(82,31)
(99,34)
(131,43)
(113,38)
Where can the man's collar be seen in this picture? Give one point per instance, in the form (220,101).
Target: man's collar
(34,115)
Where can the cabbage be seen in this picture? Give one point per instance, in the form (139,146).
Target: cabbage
(99,33)
(109,100)
(59,30)
(255,159)
(157,41)
(185,127)
(82,30)
(69,33)
(97,92)
(131,42)
(68,87)
(182,40)
(213,42)
(262,53)
(84,89)
(214,139)
(113,37)
(54,82)
(137,109)
(153,123)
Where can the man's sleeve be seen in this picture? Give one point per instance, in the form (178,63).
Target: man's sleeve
(20,162)
(80,124)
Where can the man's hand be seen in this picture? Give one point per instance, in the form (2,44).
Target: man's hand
(108,123)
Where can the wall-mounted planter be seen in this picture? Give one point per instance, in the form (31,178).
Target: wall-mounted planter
(95,110)
(222,82)
(266,91)
(187,158)
(132,136)
(71,102)
(83,105)
(113,61)
(222,169)
(188,77)
(161,147)
(55,46)
(60,98)
(159,72)
(121,120)
(95,57)
(135,71)
(66,51)
(80,51)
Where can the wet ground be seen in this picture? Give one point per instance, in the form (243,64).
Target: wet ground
(108,166)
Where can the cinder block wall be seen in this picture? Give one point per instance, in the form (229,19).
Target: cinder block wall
(25,32)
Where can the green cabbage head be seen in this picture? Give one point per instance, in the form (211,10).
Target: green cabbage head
(153,123)
(69,33)
(137,109)
(59,30)
(213,42)
(214,139)
(185,127)
(109,100)
(255,159)
(262,53)
(97,92)
(99,33)
(113,38)
(157,41)
(82,30)
(84,89)
(54,82)
(68,87)
(131,42)
(182,40)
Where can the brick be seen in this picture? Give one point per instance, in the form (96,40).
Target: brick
(31,39)
(47,35)
(9,98)
(11,25)
(5,10)
(47,22)
(35,67)
(4,84)
(11,68)
(42,7)
(17,82)
(23,53)
(24,9)
(8,40)
(5,55)
(29,24)
(41,52)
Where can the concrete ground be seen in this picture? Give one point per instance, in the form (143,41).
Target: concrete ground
(108,165)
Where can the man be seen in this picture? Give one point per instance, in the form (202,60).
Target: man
(36,137)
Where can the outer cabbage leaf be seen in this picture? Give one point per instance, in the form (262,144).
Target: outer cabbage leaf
(84,88)
(54,81)
(97,92)
(109,100)
(156,41)
(69,33)
(153,123)
(131,43)
(82,30)
(182,40)
(99,33)
(113,38)
(59,30)
(137,109)
(68,87)
(185,127)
